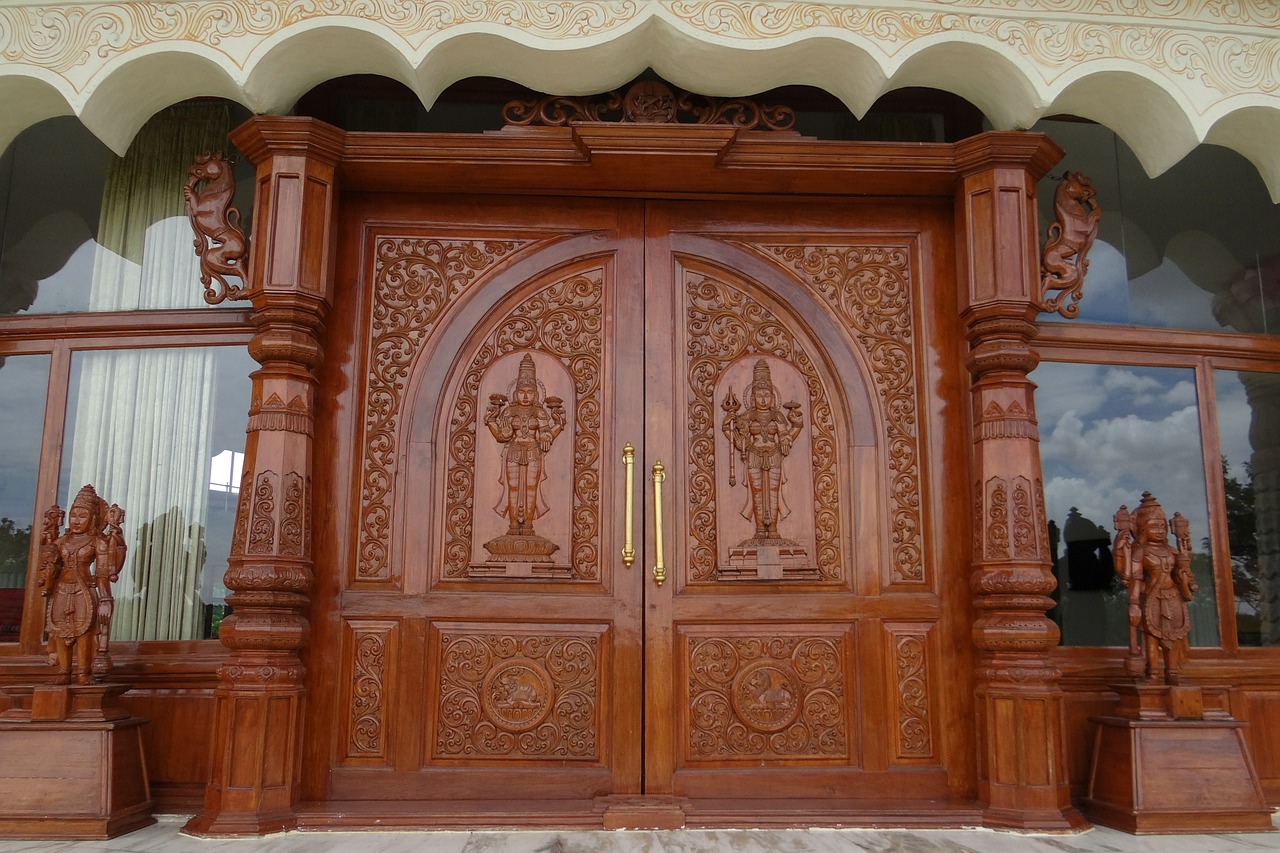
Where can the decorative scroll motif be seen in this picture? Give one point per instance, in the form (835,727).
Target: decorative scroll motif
(220,242)
(725,324)
(414,280)
(1012,530)
(274,414)
(292,517)
(649,102)
(1180,38)
(870,289)
(1025,540)
(1228,63)
(526,427)
(518,696)
(240,533)
(564,320)
(914,731)
(1065,261)
(999,422)
(367,692)
(997,519)
(753,698)
(977,517)
(262,527)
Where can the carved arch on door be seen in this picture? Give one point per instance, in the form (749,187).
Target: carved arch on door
(434,388)
(869,362)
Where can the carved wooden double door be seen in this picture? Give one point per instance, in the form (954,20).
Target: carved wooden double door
(517,369)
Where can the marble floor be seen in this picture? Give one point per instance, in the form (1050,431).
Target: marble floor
(164,838)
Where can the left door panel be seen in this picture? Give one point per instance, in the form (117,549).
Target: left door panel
(476,634)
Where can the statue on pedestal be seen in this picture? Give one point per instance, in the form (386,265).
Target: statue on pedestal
(526,426)
(1158,578)
(77,569)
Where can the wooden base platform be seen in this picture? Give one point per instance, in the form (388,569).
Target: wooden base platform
(1165,766)
(637,812)
(71,764)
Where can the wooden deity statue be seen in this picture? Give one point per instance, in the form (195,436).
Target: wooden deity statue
(1158,578)
(77,569)
(526,426)
(761,436)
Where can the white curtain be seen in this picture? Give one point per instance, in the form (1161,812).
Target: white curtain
(142,427)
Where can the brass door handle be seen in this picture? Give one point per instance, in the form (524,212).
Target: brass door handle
(628,546)
(659,570)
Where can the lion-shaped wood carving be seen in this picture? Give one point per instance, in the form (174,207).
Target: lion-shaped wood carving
(220,242)
(1065,260)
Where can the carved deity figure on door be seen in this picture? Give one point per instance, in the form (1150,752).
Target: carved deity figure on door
(77,569)
(526,424)
(761,436)
(1159,582)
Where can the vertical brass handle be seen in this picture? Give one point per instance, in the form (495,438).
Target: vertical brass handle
(659,570)
(628,546)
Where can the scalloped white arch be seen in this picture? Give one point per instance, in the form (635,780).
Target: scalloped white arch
(1157,75)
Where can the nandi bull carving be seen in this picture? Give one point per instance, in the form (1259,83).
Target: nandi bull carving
(220,242)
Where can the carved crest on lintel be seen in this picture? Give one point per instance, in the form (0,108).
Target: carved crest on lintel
(648,102)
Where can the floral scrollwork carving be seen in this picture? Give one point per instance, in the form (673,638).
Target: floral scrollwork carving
(649,102)
(415,279)
(1065,260)
(518,696)
(779,697)
(367,688)
(262,527)
(915,738)
(869,288)
(220,242)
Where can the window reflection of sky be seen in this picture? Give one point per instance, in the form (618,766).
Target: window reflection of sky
(1108,433)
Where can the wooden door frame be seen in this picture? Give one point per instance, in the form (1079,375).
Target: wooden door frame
(302,166)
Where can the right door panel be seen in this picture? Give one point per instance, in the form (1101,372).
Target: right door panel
(794,651)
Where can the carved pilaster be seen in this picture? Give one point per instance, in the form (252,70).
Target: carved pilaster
(255,760)
(1022,766)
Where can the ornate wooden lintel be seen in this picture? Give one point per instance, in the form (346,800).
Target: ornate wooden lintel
(649,102)
(220,242)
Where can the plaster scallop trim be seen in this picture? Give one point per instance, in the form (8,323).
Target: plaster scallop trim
(1165,74)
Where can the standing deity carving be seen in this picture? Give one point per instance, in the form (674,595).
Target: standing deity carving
(526,425)
(77,569)
(1159,582)
(761,436)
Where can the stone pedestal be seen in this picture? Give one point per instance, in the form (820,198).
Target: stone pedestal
(1161,765)
(71,764)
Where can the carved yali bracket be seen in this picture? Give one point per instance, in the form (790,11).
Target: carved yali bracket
(649,102)
(220,242)
(1064,261)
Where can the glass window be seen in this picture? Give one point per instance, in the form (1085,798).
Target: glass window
(147,429)
(1248,406)
(1197,247)
(1107,434)
(83,230)
(23,384)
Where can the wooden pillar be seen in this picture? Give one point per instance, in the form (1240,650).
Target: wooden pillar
(255,765)
(1021,763)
